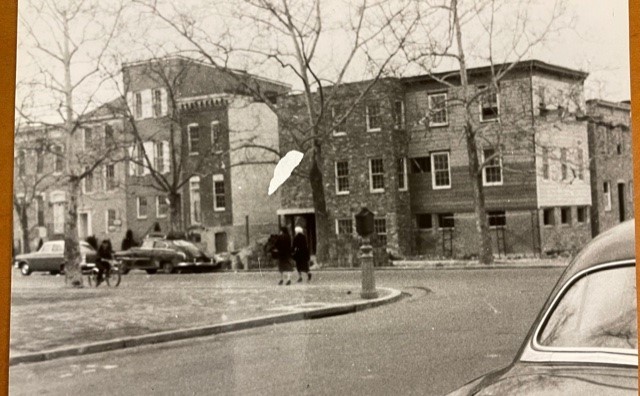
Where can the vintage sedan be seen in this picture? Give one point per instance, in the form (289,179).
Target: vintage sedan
(50,258)
(166,255)
(585,339)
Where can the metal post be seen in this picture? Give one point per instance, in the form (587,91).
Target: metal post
(366,262)
(246,222)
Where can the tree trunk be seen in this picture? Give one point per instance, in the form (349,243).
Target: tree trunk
(486,253)
(175,218)
(24,226)
(323,228)
(73,272)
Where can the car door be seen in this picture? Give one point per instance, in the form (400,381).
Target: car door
(54,261)
(39,260)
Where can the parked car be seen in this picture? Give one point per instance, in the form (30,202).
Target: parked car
(585,339)
(50,258)
(166,255)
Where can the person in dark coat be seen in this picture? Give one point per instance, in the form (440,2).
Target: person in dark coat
(301,253)
(105,253)
(128,242)
(283,247)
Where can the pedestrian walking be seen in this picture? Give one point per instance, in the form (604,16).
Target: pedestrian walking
(283,248)
(128,242)
(105,253)
(301,253)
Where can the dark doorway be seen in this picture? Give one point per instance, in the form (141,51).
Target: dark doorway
(220,241)
(621,208)
(306,221)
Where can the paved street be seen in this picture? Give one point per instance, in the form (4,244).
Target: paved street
(455,326)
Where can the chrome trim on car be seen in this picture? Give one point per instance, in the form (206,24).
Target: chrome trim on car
(534,352)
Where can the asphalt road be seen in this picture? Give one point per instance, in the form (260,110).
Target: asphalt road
(454,326)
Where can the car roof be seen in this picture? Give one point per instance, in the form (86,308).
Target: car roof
(615,244)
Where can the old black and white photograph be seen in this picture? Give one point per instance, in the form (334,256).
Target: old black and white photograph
(323,197)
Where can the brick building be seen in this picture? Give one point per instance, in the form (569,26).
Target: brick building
(401,153)
(611,164)
(191,119)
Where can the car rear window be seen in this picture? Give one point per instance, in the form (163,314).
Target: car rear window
(597,311)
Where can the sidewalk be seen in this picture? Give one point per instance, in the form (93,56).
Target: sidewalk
(47,316)
(474,264)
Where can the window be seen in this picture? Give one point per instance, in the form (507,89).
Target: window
(110,177)
(438,109)
(112,216)
(597,311)
(88,182)
(137,105)
(446,220)
(563,163)
(215,136)
(376,175)
(565,215)
(398,114)
(580,164)
(339,128)
(162,206)
(548,217)
(219,203)
(21,162)
(582,214)
(142,207)
(402,174)
(373,117)
(342,177)
(344,226)
(545,163)
(39,210)
(157,102)
(380,229)
(492,171)
(489,105)
(108,135)
(193,137)
(606,189)
(497,218)
(421,165)
(39,161)
(87,137)
(58,163)
(424,221)
(194,200)
(440,174)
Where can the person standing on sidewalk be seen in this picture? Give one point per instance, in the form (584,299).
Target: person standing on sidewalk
(301,253)
(283,247)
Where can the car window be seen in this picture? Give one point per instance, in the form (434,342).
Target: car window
(86,249)
(188,246)
(57,247)
(160,245)
(597,311)
(147,244)
(46,248)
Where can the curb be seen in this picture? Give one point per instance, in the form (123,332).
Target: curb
(419,267)
(203,331)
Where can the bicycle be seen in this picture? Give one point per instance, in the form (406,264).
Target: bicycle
(112,277)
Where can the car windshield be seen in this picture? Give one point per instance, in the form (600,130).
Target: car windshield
(188,246)
(597,311)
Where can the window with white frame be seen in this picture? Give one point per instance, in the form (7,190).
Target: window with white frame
(344,226)
(545,163)
(109,137)
(140,161)
(137,105)
(215,136)
(194,200)
(88,182)
(424,221)
(342,177)
(111,217)
(380,229)
(606,189)
(492,171)
(339,128)
(497,218)
(376,175)
(110,177)
(162,206)
(157,102)
(446,220)
(398,114)
(373,117)
(489,104)
(142,207)
(58,162)
(402,174)
(440,170)
(193,137)
(87,138)
(438,109)
(219,202)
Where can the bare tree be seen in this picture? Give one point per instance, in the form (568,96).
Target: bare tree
(67,43)
(293,35)
(503,36)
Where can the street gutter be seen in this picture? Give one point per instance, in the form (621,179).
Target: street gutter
(203,331)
